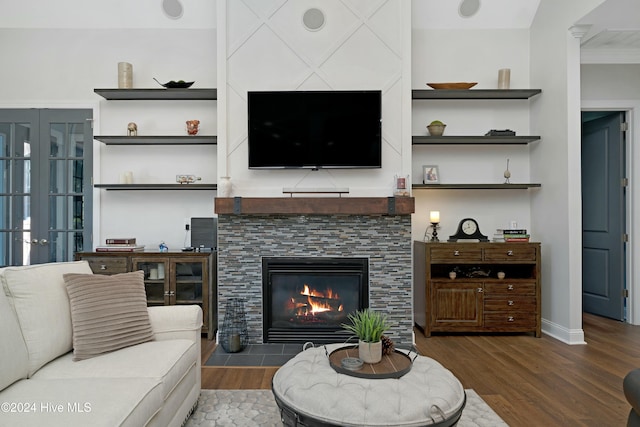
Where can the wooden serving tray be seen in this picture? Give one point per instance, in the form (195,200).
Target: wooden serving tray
(393,365)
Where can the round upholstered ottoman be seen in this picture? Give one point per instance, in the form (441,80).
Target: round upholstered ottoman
(311,393)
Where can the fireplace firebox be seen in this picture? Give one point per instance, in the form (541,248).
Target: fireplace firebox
(308,299)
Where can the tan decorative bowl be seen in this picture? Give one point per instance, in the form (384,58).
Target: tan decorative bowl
(436,130)
(455,85)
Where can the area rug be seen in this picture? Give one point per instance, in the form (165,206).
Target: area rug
(246,408)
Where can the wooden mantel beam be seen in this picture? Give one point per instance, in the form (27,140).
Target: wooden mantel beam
(315,205)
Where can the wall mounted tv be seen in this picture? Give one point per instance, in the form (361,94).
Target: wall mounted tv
(315,129)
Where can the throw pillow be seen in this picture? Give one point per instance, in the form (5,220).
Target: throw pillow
(107,312)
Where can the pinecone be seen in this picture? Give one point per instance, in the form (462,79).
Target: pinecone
(387,345)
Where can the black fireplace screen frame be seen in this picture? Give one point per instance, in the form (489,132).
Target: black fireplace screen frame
(304,265)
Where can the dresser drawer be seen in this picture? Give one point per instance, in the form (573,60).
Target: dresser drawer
(506,320)
(510,287)
(107,265)
(455,254)
(518,252)
(515,303)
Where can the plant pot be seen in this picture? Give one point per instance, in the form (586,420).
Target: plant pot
(436,130)
(370,352)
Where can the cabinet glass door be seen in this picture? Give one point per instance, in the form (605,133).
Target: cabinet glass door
(189,282)
(156,281)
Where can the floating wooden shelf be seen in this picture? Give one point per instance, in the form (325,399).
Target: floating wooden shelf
(181,187)
(474,186)
(158,140)
(474,93)
(315,206)
(158,94)
(473,140)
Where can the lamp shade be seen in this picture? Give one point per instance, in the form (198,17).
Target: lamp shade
(434,217)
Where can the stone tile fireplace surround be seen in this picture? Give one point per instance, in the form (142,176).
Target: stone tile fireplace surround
(376,228)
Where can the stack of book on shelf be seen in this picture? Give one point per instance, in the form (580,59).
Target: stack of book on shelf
(516,235)
(125,244)
(498,236)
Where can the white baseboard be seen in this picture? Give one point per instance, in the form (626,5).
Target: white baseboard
(568,336)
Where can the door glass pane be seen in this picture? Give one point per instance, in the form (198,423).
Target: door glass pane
(5,212)
(76,174)
(57,243)
(5,176)
(76,140)
(5,139)
(57,176)
(57,213)
(188,282)
(57,136)
(22,176)
(76,211)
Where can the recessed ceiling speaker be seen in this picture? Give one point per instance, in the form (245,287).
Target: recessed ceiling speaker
(313,19)
(468,8)
(172,8)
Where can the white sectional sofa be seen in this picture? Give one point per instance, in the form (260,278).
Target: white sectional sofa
(155,383)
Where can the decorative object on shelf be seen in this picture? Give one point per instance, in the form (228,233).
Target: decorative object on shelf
(125,75)
(172,8)
(430,174)
(504,132)
(368,326)
(180,84)
(163,247)
(456,85)
(132,129)
(507,174)
(225,186)
(126,177)
(468,230)
(504,78)
(234,335)
(401,186)
(452,275)
(187,179)
(501,275)
(436,128)
(192,126)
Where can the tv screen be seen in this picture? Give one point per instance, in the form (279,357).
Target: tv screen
(315,129)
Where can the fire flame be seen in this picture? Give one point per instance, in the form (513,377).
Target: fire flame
(319,306)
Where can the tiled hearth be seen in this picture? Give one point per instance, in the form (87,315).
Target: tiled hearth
(382,234)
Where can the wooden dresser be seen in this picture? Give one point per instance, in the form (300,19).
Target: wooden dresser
(476,300)
(170,278)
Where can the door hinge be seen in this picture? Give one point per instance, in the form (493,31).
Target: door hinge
(625,238)
(625,293)
(625,182)
(624,126)
(90,121)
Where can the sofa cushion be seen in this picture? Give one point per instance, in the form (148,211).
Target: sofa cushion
(165,361)
(13,351)
(38,295)
(107,312)
(95,402)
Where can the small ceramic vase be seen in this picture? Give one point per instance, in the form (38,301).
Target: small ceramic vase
(192,126)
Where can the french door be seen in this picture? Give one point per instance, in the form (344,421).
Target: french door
(45,184)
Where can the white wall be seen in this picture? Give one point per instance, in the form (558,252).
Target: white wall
(363,45)
(472,56)
(61,67)
(556,211)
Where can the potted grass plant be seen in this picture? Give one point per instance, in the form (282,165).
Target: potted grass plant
(368,326)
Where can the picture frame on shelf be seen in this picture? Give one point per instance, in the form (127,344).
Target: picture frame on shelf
(430,174)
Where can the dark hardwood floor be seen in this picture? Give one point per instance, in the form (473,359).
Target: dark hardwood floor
(528,381)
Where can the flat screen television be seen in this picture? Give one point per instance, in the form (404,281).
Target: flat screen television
(315,129)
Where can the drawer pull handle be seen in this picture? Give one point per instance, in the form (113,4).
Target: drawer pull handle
(480,290)
(511,319)
(456,253)
(103,267)
(510,287)
(510,302)
(509,253)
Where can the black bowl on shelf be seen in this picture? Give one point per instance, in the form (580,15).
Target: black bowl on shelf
(180,84)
